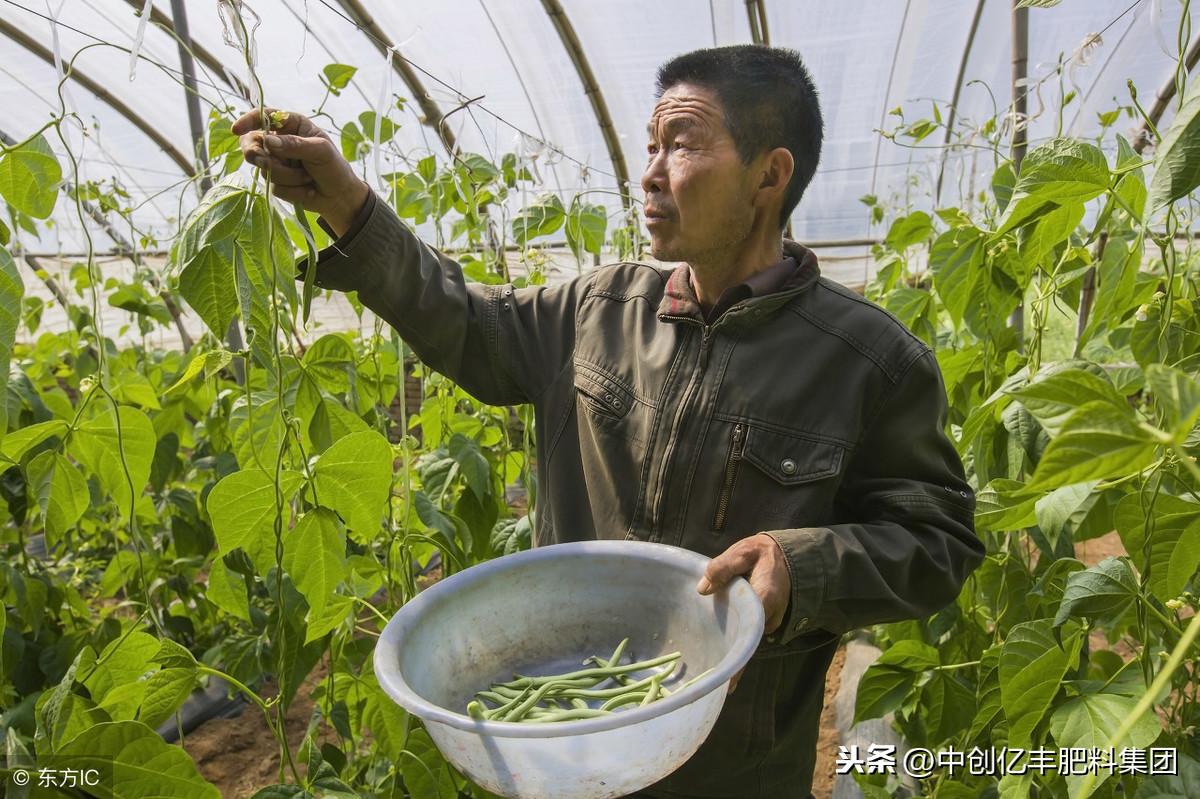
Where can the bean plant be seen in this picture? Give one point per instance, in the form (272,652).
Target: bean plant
(251,507)
(1079,422)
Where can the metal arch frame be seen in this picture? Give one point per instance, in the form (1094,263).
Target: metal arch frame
(570,41)
(958,84)
(887,95)
(756,10)
(434,117)
(1164,95)
(201,53)
(102,94)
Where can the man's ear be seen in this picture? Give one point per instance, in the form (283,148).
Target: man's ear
(776,173)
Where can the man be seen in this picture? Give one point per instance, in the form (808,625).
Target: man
(738,405)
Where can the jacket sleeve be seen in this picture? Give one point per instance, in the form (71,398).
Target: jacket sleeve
(909,541)
(503,345)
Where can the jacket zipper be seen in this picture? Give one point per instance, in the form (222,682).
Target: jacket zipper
(684,406)
(736,446)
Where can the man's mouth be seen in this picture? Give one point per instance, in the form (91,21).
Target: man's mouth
(654,215)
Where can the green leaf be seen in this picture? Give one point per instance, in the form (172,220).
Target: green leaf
(207,284)
(426,773)
(1090,722)
(227,590)
(1174,555)
(909,230)
(1167,513)
(1053,396)
(1183,785)
(166,690)
(585,227)
(1004,180)
(337,76)
(61,491)
(1116,282)
(1059,172)
(19,442)
(946,707)
(1132,186)
(242,507)
(540,219)
(956,260)
(1177,157)
(1064,509)
(511,535)
(315,556)
(62,714)
(1178,395)
(1005,505)
(1032,666)
(353,142)
(387,128)
(1097,441)
(472,464)
(354,478)
(1038,240)
(172,655)
(1102,592)
(889,680)
(987,693)
(29,178)
(124,661)
(107,452)
(11,292)
(332,422)
(140,763)
(337,608)
(328,361)
(207,362)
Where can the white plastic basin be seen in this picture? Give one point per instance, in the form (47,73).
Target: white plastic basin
(542,612)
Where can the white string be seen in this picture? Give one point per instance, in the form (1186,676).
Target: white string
(385,93)
(137,40)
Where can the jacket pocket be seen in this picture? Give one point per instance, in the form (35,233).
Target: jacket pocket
(767,475)
(603,397)
(792,459)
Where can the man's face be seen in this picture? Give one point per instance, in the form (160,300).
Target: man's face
(699,194)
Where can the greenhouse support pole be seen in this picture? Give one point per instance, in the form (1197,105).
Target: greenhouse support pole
(233,336)
(1020,59)
(188,66)
(958,84)
(570,41)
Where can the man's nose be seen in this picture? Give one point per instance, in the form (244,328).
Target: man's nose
(654,178)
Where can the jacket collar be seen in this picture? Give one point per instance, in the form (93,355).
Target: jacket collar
(679,300)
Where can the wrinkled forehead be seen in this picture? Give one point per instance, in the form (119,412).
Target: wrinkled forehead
(687,107)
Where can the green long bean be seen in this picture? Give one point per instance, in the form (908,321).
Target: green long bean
(563,697)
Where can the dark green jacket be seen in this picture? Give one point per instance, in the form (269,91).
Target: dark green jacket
(808,413)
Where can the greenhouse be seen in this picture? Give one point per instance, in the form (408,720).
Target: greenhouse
(582,399)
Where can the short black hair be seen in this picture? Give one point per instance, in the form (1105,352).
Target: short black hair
(768,99)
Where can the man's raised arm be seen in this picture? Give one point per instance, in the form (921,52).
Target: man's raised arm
(504,345)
